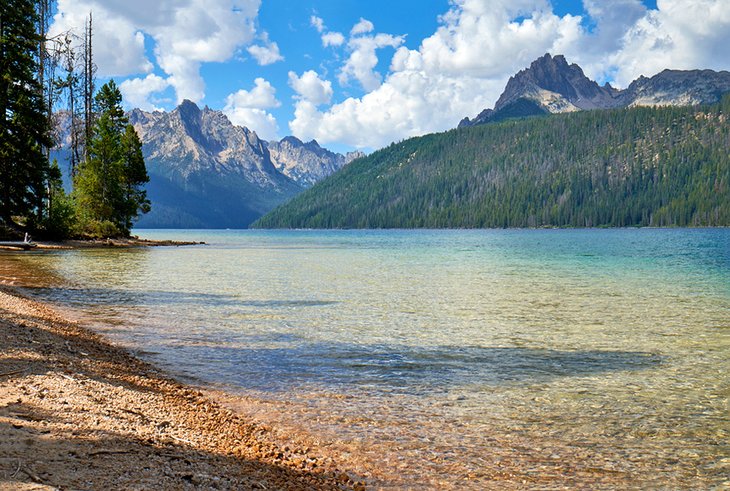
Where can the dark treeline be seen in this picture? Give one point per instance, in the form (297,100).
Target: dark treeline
(40,75)
(628,167)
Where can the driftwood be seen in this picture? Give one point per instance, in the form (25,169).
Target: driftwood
(19,245)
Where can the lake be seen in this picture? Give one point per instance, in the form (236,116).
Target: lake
(463,359)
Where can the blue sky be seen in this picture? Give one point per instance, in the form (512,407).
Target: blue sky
(289,24)
(360,74)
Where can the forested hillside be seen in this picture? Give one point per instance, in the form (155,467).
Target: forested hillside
(624,167)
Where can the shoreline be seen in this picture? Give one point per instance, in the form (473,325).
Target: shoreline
(95,244)
(79,412)
(515,437)
(112,243)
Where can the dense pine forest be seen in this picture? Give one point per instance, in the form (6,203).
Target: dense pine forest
(642,166)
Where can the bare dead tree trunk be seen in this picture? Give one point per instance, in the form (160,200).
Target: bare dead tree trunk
(89,72)
(71,85)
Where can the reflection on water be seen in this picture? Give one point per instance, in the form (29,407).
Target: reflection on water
(449,359)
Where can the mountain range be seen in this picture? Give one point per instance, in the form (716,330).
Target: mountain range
(654,154)
(639,166)
(550,85)
(206,172)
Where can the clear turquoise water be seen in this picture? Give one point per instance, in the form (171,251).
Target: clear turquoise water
(592,356)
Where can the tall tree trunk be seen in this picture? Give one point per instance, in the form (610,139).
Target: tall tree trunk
(4,157)
(88,86)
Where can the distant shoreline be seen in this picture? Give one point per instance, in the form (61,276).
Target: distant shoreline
(106,243)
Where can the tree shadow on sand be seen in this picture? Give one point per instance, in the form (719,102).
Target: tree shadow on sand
(70,351)
(79,459)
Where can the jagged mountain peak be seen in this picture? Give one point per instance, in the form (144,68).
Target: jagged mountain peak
(187,105)
(549,66)
(190,141)
(551,85)
(206,171)
(311,144)
(290,140)
(678,87)
(216,126)
(188,112)
(293,140)
(307,162)
(205,138)
(557,85)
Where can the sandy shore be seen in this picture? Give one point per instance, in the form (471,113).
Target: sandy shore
(79,413)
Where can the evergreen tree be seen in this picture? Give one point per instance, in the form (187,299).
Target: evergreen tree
(108,186)
(60,216)
(134,178)
(24,129)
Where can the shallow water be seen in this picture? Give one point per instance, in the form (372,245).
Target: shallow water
(447,359)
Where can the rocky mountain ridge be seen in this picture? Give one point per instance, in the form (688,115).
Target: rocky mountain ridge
(307,163)
(189,140)
(551,85)
(207,172)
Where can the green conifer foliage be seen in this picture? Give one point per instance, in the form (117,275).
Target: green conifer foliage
(661,167)
(134,177)
(24,130)
(108,187)
(60,215)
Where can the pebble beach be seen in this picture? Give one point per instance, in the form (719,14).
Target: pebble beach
(79,413)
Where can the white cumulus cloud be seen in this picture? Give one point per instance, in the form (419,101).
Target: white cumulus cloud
(333,39)
(118,42)
(679,34)
(266,53)
(464,65)
(493,39)
(309,87)
(362,27)
(137,91)
(328,38)
(317,23)
(249,108)
(185,34)
(363,59)
(458,71)
(455,72)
